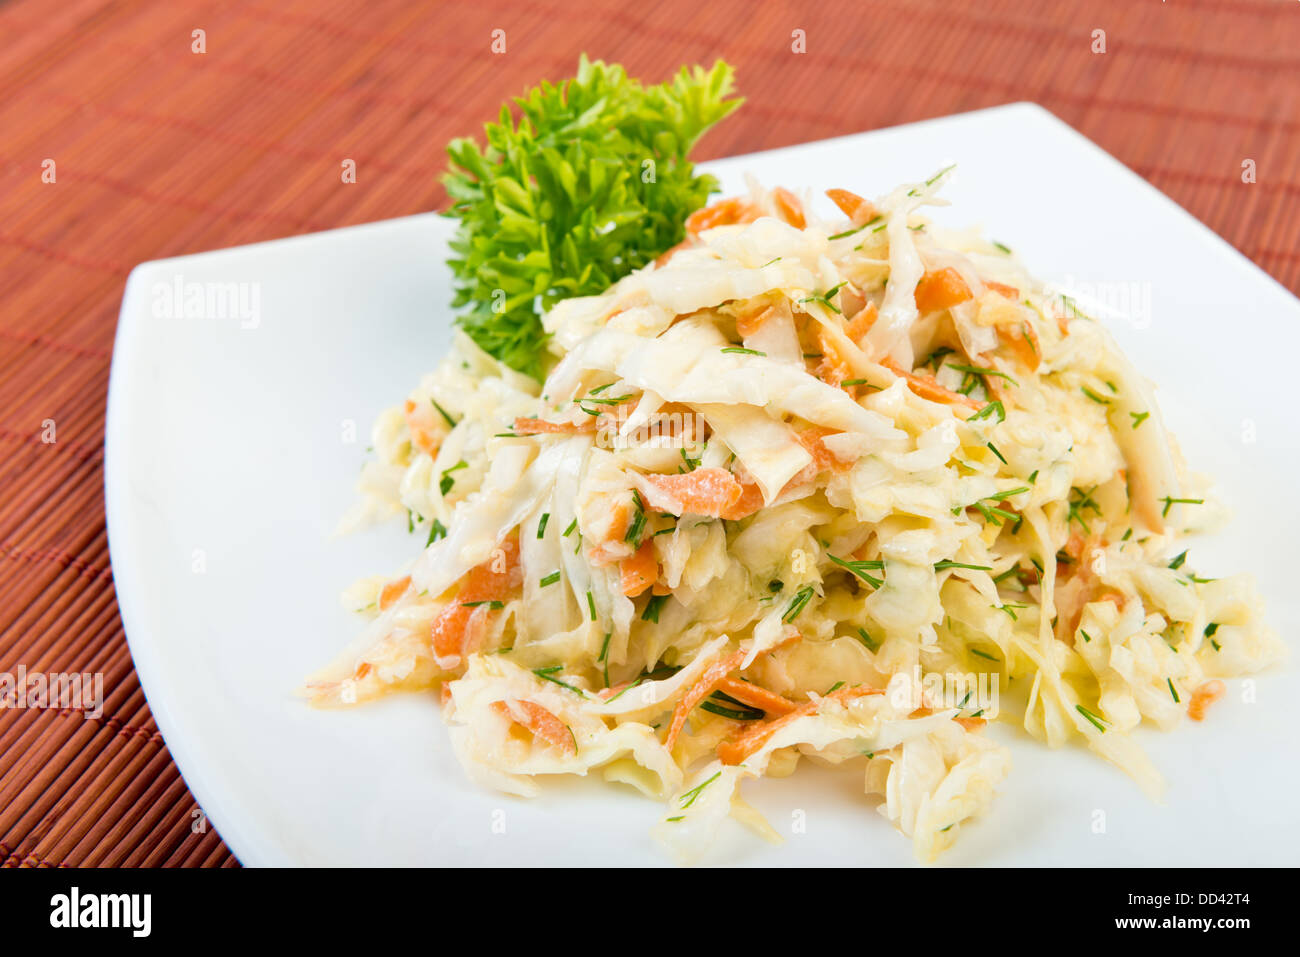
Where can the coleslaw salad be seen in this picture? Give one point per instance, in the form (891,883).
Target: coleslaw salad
(771,487)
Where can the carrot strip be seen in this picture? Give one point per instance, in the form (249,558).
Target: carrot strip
(1002,289)
(604,694)
(640,571)
(709,491)
(1062,323)
(737,749)
(788,205)
(1024,346)
(526,426)
(540,722)
(1204,696)
(421,437)
(750,323)
(941,289)
(852,205)
(927,388)
(491,581)
(724,212)
(756,696)
(832,368)
(703,687)
(392,591)
(449,631)
(811,440)
(861,323)
(712,492)
(750,501)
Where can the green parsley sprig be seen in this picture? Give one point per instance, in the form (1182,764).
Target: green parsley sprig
(585,181)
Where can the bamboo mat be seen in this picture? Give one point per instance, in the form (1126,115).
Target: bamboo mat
(160,151)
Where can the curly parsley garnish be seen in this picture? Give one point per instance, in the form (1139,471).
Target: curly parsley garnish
(584,182)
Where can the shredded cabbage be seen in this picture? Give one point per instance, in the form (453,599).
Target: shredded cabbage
(807,487)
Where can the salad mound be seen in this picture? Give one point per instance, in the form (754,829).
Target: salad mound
(847,487)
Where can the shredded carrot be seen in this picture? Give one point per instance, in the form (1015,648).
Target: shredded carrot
(363,669)
(392,591)
(701,689)
(1078,585)
(524,426)
(852,205)
(1074,546)
(749,323)
(604,694)
(788,205)
(711,491)
(941,289)
(971,724)
(419,420)
(927,388)
(1002,289)
(861,323)
(724,212)
(621,516)
(811,440)
(737,749)
(640,571)
(450,630)
(832,368)
(491,581)
(1024,345)
(750,501)
(756,696)
(1204,696)
(540,722)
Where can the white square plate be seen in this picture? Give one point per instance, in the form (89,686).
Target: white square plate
(229,464)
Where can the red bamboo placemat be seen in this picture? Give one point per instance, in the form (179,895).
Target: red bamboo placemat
(159,150)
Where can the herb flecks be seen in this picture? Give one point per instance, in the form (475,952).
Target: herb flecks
(860,569)
(1171,502)
(437,530)
(447,481)
(653,607)
(689,797)
(548,674)
(993,408)
(1095,721)
(985,371)
(825,298)
(797,603)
